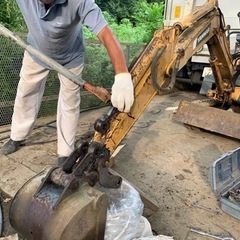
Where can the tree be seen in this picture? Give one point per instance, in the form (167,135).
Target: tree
(119,9)
(148,18)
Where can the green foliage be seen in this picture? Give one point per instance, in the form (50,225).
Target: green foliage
(120,9)
(125,31)
(97,67)
(10,62)
(148,18)
(11,17)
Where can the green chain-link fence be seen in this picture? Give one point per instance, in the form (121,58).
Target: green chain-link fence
(97,71)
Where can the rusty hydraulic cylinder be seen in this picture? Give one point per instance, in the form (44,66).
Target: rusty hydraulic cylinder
(217,75)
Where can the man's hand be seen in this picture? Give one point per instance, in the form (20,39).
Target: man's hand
(122,92)
(122,89)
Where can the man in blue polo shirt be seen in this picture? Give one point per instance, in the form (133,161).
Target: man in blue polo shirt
(55,28)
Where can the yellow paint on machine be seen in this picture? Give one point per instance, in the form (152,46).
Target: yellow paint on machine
(177,11)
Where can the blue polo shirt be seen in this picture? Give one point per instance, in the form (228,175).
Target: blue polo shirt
(57,32)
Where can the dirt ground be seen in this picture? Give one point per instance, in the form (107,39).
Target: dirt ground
(169,161)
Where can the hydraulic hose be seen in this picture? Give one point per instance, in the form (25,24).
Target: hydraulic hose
(154,73)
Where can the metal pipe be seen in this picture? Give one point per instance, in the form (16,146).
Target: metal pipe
(99,92)
(217,75)
(47,60)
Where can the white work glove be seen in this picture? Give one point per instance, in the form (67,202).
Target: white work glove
(122,92)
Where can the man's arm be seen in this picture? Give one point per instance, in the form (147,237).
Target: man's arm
(109,40)
(122,89)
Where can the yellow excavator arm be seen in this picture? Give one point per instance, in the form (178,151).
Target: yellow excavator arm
(169,50)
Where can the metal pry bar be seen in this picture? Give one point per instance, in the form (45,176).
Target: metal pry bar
(99,92)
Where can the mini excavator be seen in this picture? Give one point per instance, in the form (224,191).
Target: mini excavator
(64,202)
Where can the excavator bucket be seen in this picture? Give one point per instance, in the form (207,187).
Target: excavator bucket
(209,118)
(81,213)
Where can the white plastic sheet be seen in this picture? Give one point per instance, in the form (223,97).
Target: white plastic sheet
(124,213)
(124,216)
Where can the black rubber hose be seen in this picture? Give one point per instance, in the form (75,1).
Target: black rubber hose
(154,73)
(48,124)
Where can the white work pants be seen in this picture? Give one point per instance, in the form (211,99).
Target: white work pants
(28,99)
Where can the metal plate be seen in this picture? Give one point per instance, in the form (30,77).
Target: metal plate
(209,118)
